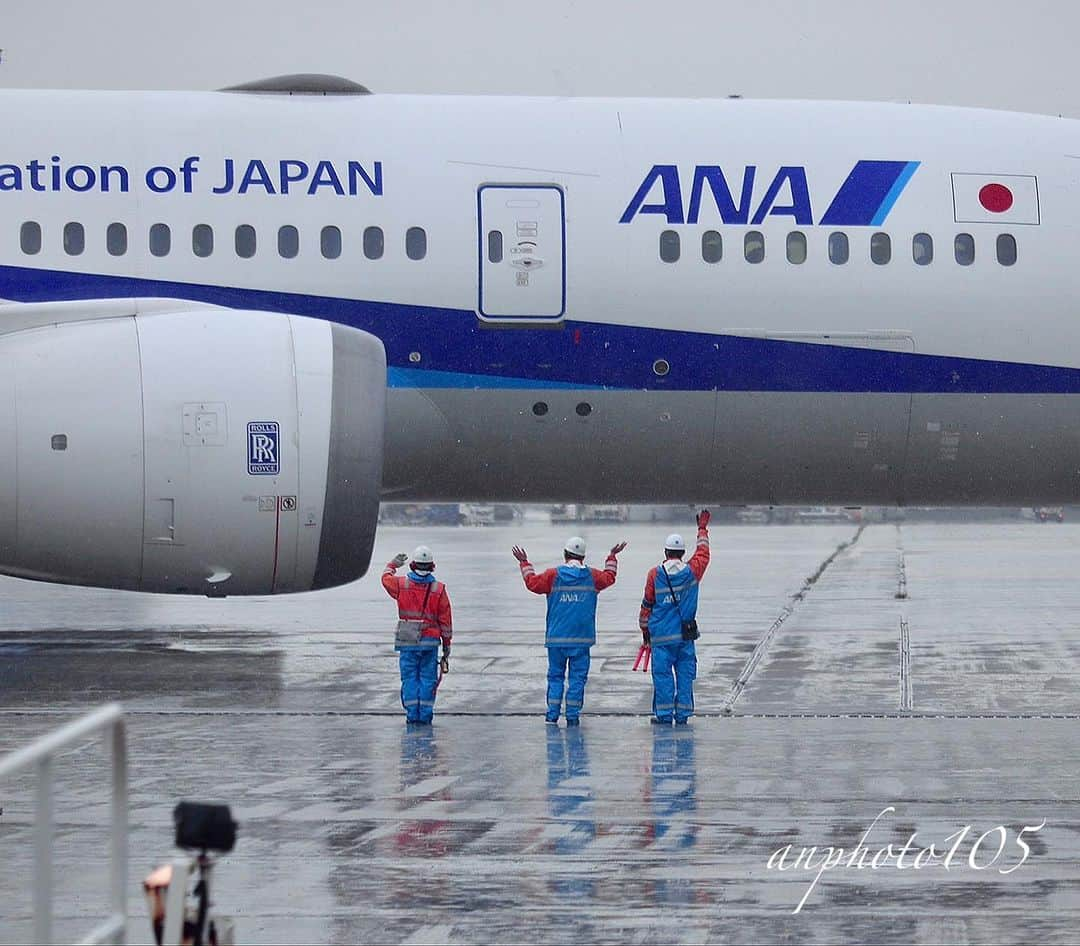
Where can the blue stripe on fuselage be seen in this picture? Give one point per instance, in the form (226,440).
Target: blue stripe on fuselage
(421,378)
(456,351)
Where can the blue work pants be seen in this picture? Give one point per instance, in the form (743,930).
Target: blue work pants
(419,675)
(674,667)
(572,665)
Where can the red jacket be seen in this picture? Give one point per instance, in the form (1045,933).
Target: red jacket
(699,561)
(410,598)
(543,583)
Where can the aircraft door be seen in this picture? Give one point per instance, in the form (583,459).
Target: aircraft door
(522,249)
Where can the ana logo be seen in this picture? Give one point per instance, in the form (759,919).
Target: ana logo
(864,199)
(264,438)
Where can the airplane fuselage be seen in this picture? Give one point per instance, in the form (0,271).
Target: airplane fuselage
(608,300)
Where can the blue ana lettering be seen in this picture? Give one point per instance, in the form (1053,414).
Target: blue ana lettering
(865,197)
(671,206)
(714,177)
(799,208)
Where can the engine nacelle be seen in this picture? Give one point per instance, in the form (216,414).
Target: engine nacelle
(161,446)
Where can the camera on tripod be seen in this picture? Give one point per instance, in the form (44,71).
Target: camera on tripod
(204,827)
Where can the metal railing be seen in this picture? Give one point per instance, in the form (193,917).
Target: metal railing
(39,755)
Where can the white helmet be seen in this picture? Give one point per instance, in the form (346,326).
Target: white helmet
(675,543)
(575,546)
(423,556)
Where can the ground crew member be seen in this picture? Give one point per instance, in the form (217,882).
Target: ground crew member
(423,620)
(668,607)
(571,591)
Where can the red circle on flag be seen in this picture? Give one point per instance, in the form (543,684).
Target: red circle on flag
(996,198)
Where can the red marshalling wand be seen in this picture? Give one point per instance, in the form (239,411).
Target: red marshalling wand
(644,655)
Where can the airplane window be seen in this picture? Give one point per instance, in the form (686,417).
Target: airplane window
(754,246)
(245,241)
(116,239)
(330,240)
(964,247)
(30,237)
(796,247)
(838,248)
(922,248)
(202,239)
(1006,249)
(495,246)
(669,246)
(288,242)
(160,239)
(416,243)
(373,242)
(712,246)
(880,248)
(74,239)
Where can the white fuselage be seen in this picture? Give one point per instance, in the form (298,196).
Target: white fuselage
(594,365)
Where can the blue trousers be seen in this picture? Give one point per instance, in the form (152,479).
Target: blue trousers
(572,665)
(674,667)
(419,673)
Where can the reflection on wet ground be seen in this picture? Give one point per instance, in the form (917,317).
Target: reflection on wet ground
(845,702)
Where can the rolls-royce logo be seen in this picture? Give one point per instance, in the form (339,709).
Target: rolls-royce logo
(263,440)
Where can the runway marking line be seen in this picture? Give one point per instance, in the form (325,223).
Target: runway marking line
(763,645)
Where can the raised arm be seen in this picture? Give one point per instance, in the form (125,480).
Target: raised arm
(699,561)
(389,576)
(538,584)
(606,578)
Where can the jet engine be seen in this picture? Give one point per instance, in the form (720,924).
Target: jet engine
(165,446)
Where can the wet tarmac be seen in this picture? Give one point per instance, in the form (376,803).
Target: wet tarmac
(824,702)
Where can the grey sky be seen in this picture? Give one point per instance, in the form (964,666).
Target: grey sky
(1016,55)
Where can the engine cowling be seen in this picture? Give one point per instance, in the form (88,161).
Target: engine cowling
(160,446)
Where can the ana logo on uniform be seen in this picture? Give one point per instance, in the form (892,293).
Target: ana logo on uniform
(264,437)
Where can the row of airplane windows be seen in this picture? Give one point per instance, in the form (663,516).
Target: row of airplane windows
(245,240)
(839,246)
